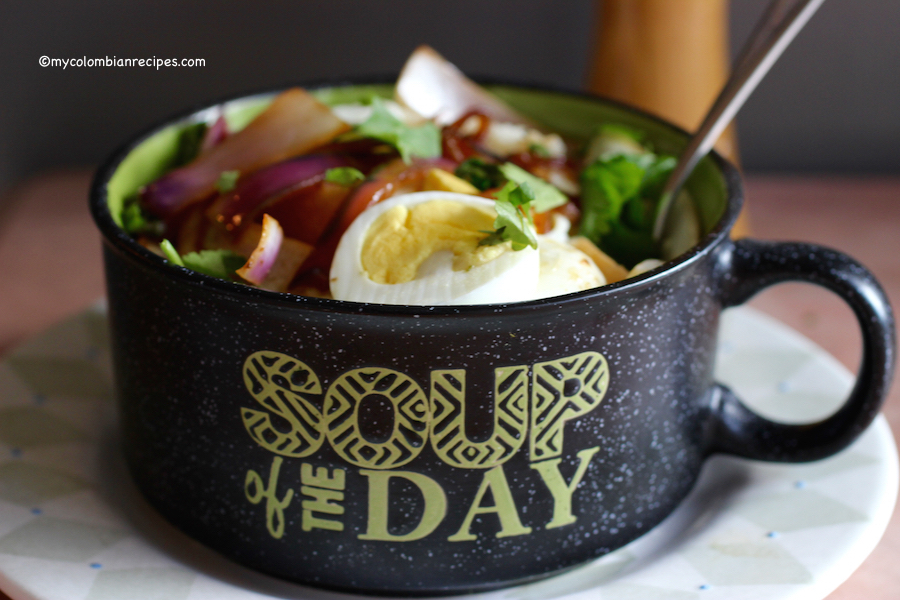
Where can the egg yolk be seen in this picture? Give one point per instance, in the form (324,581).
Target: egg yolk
(403,238)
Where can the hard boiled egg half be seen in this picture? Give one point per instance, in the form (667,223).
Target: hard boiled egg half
(423,249)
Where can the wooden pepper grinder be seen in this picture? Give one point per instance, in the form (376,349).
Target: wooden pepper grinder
(668,57)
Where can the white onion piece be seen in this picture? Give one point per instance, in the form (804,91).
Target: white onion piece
(505,139)
(648,264)
(434,88)
(263,257)
(356,114)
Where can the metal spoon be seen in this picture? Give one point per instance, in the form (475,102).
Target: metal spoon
(775,31)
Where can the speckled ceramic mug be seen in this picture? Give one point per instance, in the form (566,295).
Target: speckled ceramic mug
(435,450)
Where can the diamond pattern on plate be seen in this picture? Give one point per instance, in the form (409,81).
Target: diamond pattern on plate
(142,584)
(87,332)
(843,462)
(631,591)
(54,376)
(22,427)
(796,510)
(58,539)
(795,406)
(741,369)
(29,484)
(581,579)
(736,559)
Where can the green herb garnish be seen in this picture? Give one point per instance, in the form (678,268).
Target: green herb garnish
(423,141)
(216,263)
(227,181)
(137,221)
(190,140)
(546,195)
(483,175)
(171,253)
(619,196)
(345,176)
(514,222)
(539,150)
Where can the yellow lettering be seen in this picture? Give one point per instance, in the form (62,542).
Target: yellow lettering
(325,490)
(256,492)
(504,507)
(411,416)
(448,409)
(321,503)
(279,383)
(563,390)
(434,506)
(559,489)
(321,478)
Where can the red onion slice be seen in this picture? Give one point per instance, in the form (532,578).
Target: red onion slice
(266,252)
(293,124)
(258,187)
(215,134)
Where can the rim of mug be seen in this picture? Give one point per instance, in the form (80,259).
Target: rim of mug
(125,244)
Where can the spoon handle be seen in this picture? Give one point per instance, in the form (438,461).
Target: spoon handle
(764,47)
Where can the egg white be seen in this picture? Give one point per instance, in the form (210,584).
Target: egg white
(510,277)
(554,269)
(565,269)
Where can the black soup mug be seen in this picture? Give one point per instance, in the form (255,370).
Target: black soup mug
(437,450)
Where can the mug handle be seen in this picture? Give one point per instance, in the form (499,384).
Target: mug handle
(749,266)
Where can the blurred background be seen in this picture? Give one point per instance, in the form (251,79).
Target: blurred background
(830,105)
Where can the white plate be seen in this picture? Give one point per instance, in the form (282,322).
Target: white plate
(72,527)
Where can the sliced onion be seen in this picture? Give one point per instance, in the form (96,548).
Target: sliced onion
(215,134)
(254,189)
(433,87)
(292,254)
(293,124)
(263,256)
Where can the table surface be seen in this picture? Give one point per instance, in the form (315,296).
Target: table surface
(50,253)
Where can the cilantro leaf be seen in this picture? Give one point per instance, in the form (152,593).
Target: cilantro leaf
(227,181)
(539,150)
(190,139)
(546,195)
(619,196)
(423,141)
(606,185)
(483,175)
(514,222)
(629,246)
(345,176)
(656,176)
(216,263)
(137,221)
(494,237)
